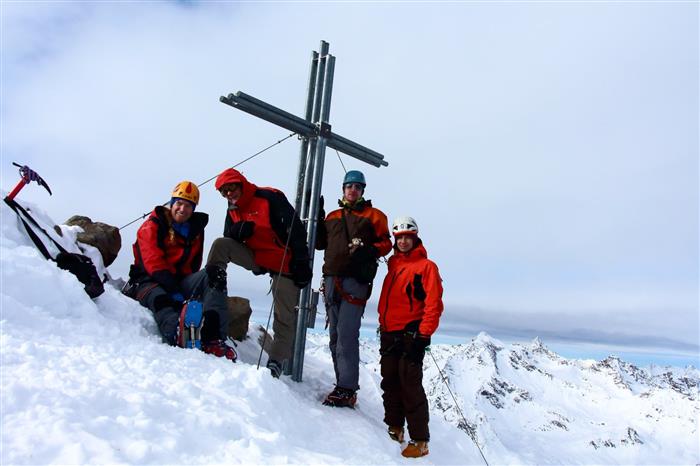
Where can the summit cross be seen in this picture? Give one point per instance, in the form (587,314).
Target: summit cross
(315,134)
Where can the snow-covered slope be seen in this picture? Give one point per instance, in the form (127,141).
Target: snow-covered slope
(86,382)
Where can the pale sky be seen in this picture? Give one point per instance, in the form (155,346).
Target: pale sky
(548,150)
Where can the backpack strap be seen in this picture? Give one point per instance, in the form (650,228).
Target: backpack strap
(77,264)
(22,214)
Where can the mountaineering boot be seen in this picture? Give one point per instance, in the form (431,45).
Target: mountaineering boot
(396,433)
(220,349)
(189,330)
(341,398)
(415,449)
(275,368)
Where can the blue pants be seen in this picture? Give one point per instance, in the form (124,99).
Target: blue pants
(344,329)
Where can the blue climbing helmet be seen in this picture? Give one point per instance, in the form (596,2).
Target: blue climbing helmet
(354,176)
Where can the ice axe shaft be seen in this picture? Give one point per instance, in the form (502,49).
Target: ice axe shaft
(17,189)
(28,175)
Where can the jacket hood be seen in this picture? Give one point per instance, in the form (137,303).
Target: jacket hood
(231,175)
(418,252)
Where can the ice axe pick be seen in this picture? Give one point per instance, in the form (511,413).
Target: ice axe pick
(28,175)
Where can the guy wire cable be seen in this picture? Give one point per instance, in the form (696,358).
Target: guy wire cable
(457,406)
(207,181)
(341,161)
(274,290)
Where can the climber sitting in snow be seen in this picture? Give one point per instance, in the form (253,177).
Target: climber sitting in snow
(409,312)
(167,257)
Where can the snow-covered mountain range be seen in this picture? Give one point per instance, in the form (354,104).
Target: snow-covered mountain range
(526,401)
(86,382)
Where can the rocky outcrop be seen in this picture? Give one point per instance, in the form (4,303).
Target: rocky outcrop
(104,237)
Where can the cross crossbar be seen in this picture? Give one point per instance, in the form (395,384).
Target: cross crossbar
(286,120)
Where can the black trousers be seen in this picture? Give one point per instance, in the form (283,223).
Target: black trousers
(402,384)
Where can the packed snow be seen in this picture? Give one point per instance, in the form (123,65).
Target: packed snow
(89,382)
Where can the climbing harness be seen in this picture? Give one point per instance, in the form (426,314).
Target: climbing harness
(345,296)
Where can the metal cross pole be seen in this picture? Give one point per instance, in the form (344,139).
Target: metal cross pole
(315,133)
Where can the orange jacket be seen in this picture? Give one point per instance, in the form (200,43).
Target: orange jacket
(274,219)
(412,290)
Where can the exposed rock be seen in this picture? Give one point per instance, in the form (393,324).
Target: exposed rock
(104,237)
(239,312)
(561,425)
(493,399)
(632,437)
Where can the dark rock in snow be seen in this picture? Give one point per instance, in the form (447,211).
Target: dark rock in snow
(102,236)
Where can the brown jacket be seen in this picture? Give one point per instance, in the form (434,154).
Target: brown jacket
(363,221)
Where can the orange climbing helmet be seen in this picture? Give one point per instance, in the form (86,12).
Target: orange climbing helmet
(186,190)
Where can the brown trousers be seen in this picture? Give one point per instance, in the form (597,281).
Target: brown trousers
(286,294)
(402,383)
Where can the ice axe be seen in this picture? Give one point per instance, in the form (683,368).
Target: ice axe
(28,175)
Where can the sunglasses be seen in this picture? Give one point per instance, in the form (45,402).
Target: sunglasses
(357,186)
(225,190)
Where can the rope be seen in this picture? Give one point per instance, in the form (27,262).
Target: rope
(207,181)
(471,435)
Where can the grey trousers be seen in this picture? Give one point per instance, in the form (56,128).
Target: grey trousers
(344,330)
(285,293)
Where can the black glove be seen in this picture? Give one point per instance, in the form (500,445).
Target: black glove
(301,273)
(241,231)
(321,231)
(217,277)
(366,253)
(321,212)
(167,280)
(417,344)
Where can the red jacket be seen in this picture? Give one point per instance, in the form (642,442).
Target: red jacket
(412,291)
(164,255)
(274,219)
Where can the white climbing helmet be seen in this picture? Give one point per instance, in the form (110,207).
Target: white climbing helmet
(404,226)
